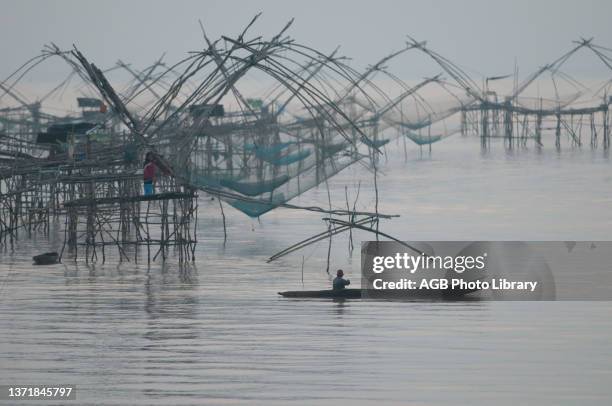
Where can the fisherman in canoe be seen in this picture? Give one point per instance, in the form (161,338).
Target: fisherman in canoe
(339,282)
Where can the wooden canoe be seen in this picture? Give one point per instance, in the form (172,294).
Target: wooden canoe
(388,295)
(332,294)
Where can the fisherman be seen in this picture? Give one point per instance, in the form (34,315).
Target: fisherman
(339,282)
(148,173)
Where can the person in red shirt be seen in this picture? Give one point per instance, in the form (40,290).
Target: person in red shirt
(148,174)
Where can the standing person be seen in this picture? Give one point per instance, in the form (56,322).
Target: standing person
(148,174)
(339,282)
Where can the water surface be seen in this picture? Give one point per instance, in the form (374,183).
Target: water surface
(215,332)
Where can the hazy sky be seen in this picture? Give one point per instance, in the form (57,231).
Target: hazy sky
(483,35)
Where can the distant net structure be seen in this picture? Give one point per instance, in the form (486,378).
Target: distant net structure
(551,100)
(211,131)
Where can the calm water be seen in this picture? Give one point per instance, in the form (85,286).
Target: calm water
(215,332)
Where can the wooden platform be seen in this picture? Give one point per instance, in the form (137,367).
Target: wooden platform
(128,199)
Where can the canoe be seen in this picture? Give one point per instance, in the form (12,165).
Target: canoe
(332,294)
(47,258)
(378,294)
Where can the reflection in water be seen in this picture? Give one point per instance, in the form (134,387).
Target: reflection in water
(339,306)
